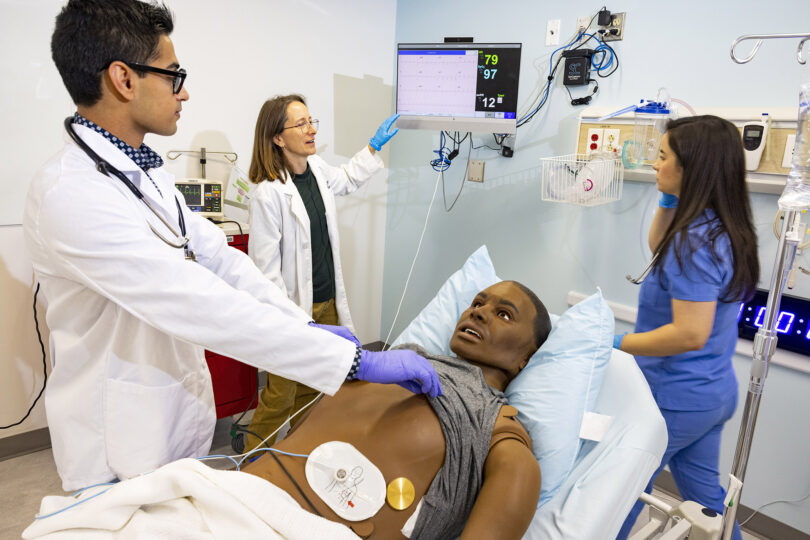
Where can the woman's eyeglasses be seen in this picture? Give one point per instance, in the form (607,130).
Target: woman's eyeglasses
(304,125)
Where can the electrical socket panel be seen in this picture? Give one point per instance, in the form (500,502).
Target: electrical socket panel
(476,170)
(790,145)
(596,138)
(553,32)
(611,142)
(617,24)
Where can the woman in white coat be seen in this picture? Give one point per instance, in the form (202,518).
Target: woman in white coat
(294,231)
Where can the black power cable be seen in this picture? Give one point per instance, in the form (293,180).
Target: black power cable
(301,491)
(584,100)
(239,225)
(44,366)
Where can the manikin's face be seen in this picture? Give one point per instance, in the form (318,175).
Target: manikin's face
(497,329)
(668,170)
(298,138)
(156,107)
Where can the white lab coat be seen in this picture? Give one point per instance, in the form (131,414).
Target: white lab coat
(280,240)
(129,319)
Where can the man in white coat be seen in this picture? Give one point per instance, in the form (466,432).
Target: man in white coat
(135,285)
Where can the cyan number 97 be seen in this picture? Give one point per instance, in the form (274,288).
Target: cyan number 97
(490,73)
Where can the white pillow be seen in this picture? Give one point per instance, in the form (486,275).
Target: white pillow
(561,381)
(433,327)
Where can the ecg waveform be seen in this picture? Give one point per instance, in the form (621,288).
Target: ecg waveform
(437,84)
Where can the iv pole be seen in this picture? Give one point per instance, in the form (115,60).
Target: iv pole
(765,339)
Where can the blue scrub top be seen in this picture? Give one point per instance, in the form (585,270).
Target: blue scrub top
(695,380)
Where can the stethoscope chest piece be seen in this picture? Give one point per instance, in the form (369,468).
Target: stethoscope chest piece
(640,279)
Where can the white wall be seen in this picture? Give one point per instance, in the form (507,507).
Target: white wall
(21,360)
(237,55)
(556,248)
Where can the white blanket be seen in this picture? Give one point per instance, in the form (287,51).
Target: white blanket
(184,500)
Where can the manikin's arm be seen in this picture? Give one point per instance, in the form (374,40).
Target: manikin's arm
(507,501)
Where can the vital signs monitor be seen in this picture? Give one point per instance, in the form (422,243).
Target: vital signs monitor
(202,196)
(458,86)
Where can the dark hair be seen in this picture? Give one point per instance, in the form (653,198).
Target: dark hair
(710,151)
(90,34)
(268,161)
(542,322)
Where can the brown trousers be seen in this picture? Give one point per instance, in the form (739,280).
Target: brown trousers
(282,397)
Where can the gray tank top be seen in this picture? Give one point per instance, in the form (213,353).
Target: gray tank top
(467,412)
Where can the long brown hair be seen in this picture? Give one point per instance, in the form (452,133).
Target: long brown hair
(268,161)
(710,151)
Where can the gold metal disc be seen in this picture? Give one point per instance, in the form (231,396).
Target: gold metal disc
(400,493)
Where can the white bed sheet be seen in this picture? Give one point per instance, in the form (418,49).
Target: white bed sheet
(608,476)
(185,500)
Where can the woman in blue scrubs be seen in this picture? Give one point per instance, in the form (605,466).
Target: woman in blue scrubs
(705,264)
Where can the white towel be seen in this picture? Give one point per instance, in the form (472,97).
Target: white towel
(184,500)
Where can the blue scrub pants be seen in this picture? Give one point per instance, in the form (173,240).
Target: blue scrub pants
(693,455)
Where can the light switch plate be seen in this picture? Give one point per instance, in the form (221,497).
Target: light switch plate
(790,144)
(476,170)
(553,32)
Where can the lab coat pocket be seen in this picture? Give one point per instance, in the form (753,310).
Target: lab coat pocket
(148,426)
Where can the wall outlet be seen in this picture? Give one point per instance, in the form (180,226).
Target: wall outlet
(790,145)
(583,23)
(476,170)
(615,30)
(595,140)
(553,32)
(611,142)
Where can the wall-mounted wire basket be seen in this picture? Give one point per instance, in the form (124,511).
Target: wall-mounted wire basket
(585,180)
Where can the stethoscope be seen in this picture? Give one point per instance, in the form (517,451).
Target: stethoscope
(105,168)
(640,279)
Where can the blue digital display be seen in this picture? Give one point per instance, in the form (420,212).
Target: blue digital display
(792,321)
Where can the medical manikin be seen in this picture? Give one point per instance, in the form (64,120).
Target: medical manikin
(464,454)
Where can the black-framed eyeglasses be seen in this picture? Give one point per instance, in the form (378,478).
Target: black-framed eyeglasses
(304,125)
(178,77)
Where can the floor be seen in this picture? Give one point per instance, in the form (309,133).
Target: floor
(26,479)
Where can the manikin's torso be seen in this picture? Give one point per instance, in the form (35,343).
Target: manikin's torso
(395,429)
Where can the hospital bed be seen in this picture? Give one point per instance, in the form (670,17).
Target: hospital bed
(608,476)
(606,480)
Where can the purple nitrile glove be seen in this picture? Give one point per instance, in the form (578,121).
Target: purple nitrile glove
(341,331)
(403,367)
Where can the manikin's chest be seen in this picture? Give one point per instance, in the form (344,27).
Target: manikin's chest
(393,428)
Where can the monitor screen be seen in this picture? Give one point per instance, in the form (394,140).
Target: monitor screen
(192,193)
(458,86)
(202,196)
